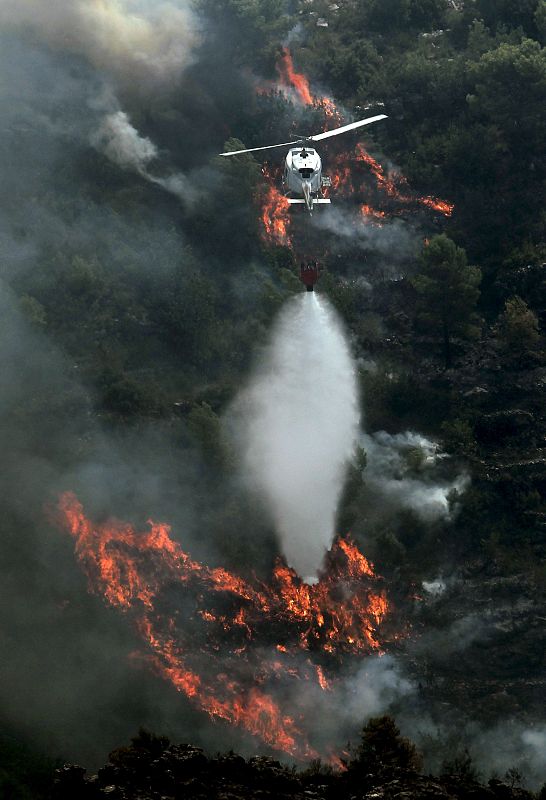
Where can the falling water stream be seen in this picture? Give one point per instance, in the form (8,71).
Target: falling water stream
(300,426)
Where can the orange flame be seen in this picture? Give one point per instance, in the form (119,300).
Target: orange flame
(438,205)
(393,186)
(289,77)
(138,571)
(275,217)
(370,214)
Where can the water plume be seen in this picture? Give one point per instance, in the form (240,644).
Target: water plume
(298,422)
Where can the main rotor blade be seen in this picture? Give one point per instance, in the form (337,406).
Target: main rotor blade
(348,127)
(253,149)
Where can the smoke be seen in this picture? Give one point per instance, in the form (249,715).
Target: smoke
(403,468)
(54,215)
(135,40)
(298,423)
(435,588)
(377,685)
(393,239)
(123,145)
(510,745)
(494,751)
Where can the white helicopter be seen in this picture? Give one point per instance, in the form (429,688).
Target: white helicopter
(303,166)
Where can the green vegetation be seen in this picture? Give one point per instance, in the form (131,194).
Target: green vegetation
(448,291)
(383,749)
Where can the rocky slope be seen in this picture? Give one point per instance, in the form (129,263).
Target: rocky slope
(152,769)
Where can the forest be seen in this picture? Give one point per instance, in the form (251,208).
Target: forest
(140,280)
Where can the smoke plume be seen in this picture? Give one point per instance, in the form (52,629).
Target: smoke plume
(403,469)
(119,140)
(300,423)
(135,41)
(392,238)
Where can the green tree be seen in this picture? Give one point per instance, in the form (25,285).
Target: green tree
(190,318)
(458,436)
(206,427)
(383,748)
(448,290)
(510,85)
(509,13)
(518,326)
(354,482)
(33,310)
(540,20)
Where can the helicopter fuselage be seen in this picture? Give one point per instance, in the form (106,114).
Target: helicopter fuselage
(303,177)
(302,166)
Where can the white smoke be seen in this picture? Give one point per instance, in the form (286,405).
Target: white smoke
(119,140)
(509,745)
(123,144)
(298,425)
(401,467)
(133,39)
(435,588)
(377,685)
(391,238)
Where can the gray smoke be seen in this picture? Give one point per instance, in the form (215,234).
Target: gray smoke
(403,469)
(393,239)
(120,141)
(135,40)
(298,426)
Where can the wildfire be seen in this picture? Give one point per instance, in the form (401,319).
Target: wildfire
(288,77)
(390,188)
(370,214)
(238,640)
(275,216)
(438,205)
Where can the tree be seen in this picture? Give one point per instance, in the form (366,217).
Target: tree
(386,15)
(33,311)
(510,82)
(540,20)
(448,290)
(458,437)
(206,427)
(354,482)
(461,765)
(518,326)
(509,13)
(383,748)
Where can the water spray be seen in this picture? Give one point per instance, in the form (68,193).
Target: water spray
(299,421)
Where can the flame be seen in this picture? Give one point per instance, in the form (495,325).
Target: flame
(217,655)
(275,214)
(438,205)
(393,193)
(288,77)
(370,214)
(275,217)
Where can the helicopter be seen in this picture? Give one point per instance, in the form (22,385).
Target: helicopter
(303,166)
